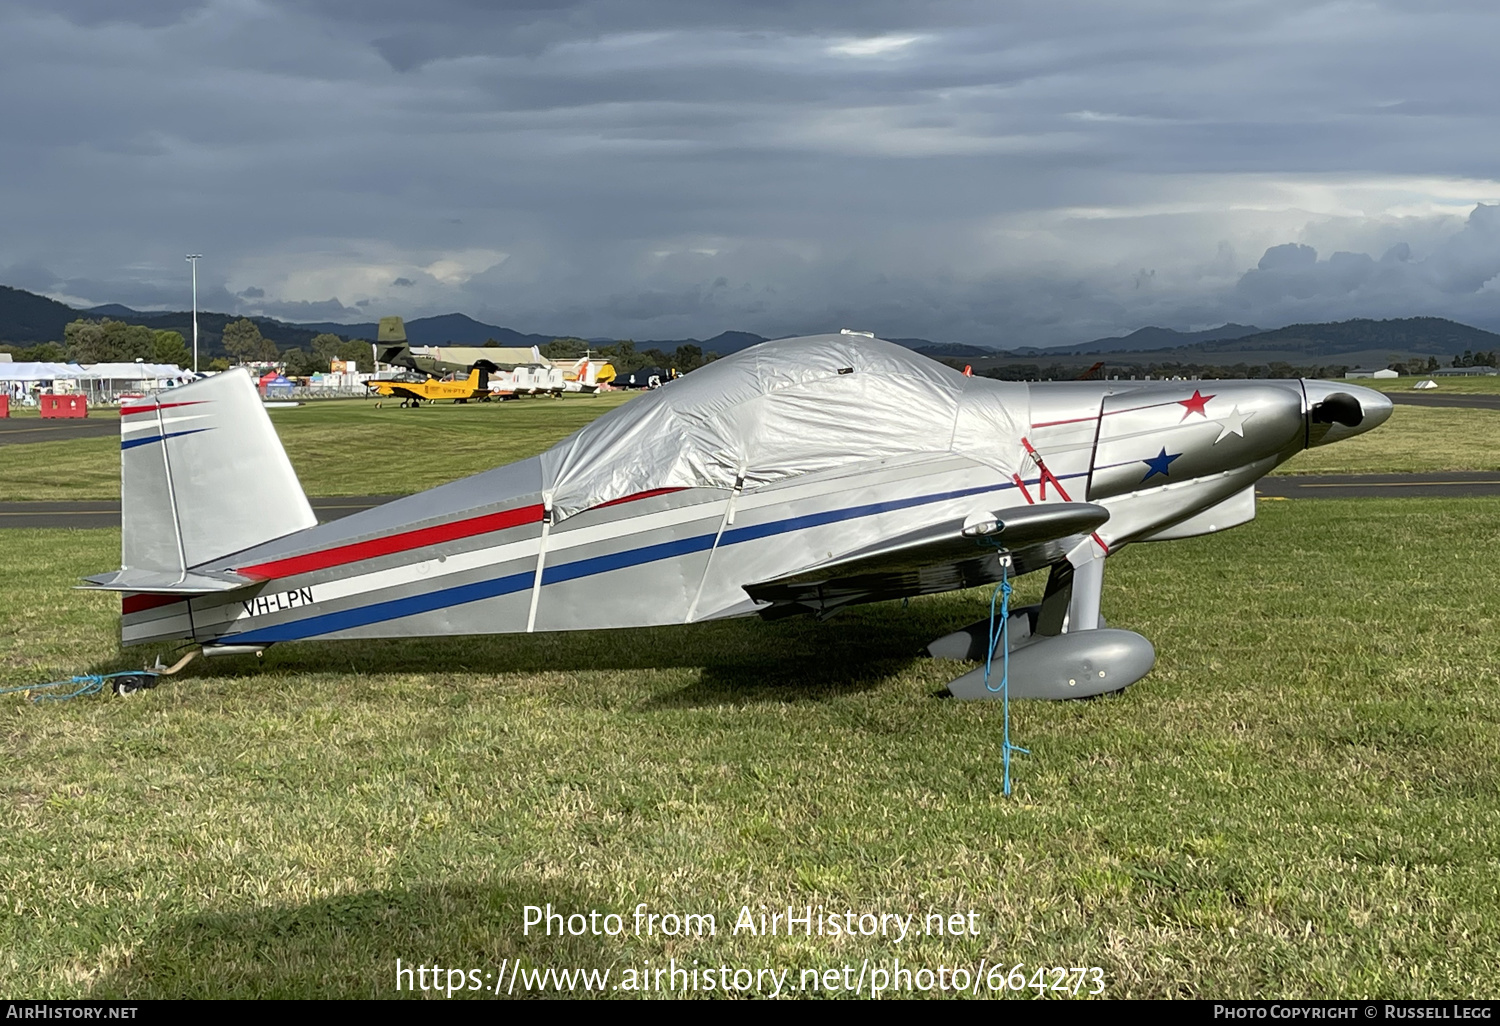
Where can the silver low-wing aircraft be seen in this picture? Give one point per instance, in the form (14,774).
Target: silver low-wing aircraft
(799,476)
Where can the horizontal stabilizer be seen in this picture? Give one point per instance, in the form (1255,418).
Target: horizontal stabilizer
(169,583)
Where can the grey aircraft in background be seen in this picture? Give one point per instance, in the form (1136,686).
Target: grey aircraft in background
(799,476)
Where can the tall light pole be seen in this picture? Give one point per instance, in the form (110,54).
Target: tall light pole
(193,259)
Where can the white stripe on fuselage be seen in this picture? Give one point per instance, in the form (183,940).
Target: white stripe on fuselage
(139,423)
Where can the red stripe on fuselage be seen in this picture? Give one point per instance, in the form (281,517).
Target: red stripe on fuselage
(141,603)
(131,410)
(637,495)
(1075,420)
(402,542)
(1109,413)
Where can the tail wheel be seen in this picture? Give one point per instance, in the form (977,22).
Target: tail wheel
(133,683)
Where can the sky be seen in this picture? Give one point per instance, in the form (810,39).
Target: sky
(997,174)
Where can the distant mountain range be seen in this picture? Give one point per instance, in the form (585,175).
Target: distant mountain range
(1432,335)
(1354,343)
(27,319)
(1143,339)
(1435,336)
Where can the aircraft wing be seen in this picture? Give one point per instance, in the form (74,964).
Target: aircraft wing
(957,553)
(396,391)
(400,356)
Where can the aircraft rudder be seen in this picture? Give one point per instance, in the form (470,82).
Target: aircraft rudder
(203,474)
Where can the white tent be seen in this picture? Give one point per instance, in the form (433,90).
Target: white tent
(102,381)
(134,372)
(105,382)
(18,379)
(40,371)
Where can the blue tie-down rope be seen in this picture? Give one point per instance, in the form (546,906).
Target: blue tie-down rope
(1000,634)
(85,684)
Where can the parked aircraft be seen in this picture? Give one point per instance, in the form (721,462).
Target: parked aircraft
(414,392)
(799,476)
(442,360)
(514,371)
(536,379)
(587,373)
(644,377)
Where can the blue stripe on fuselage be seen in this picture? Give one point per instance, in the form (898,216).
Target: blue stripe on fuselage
(328,623)
(346,619)
(755,531)
(132,443)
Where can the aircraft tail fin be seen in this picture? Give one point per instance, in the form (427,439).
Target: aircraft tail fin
(202,475)
(484,368)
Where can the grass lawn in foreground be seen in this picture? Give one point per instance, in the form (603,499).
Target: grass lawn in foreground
(351,448)
(1302,798)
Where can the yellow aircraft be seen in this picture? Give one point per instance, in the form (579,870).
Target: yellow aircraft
(460,390)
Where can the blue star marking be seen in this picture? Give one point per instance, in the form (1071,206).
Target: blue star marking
(1159,464)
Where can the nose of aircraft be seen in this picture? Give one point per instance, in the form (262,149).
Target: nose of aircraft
(1337,410)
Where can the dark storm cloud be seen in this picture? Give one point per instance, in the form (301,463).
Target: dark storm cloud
(301,310)
(1453,277)
(1026,173)
(410,35)
(96,12)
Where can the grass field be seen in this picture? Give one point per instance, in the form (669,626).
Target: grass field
(342,447)
(1416,439)
(1302,799)
(352,448)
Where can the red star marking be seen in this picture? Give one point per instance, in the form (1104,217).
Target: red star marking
(1195,405)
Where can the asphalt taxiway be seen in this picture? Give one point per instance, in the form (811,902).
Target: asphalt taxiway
(1451,484)
(20,430)
(106,513)
(1455,484)
(1449,401)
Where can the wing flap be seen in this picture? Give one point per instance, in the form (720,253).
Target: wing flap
(951,554)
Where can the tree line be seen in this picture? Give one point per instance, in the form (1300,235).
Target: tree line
(244,343)
(1209,371)
(624,357)
(110,341)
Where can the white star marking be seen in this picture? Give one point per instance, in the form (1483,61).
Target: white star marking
(1232,423)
